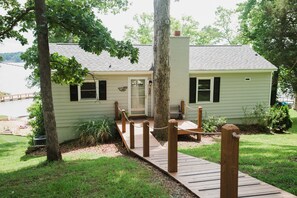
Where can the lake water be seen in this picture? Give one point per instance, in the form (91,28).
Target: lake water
(13,80)
(15,108)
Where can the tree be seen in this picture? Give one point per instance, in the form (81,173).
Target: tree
(52,143)
(188,26)
(143,32)
(270,26)
(223,22)
(75,17)
(161,66)
(208,35)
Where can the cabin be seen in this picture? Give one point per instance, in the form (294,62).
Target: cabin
(223,79)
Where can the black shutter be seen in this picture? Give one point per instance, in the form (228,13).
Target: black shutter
(73,93)
(102,89)
(193,90)
(216,92)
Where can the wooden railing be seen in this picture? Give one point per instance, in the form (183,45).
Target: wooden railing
(17,97)
(229,148)
(229,156)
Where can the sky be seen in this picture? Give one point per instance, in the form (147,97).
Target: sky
(201,10)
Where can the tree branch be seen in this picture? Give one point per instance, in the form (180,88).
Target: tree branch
(16,20)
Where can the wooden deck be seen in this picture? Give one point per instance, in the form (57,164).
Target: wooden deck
(199,176)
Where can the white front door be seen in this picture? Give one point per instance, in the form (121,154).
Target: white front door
(137,96)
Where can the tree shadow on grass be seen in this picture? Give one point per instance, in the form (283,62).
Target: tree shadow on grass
(29,157)
(7,147)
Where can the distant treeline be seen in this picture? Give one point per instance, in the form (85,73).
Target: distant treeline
(11,57)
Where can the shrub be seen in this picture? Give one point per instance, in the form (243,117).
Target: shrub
(212,124)
(258,115)
(279,118)
(95,131)
(36,120)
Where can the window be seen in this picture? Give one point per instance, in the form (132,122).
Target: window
(204,89)
(88,90)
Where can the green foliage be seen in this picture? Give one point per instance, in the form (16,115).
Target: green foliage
(212,124)
(279,118)
(258,115)
(69,20)
(11,57)
(223,23)
(220,31)
(208,35)
(95,131)
(143,33)
(287,80)
(36,120)
(270,26)
(67,70)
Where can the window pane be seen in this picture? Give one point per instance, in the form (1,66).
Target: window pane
(203,96)
(204,84)
(88,90)
(88,94)
(89,85)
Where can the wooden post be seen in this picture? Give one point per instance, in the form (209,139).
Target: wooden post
(146,139)
(123,121)
(172,146)
(132,144)
(229,161)
(199,123)
(116,110)
(182,107)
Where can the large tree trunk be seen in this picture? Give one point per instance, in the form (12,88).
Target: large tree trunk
(274,88)
(161,66)
(52,144)
(295,102)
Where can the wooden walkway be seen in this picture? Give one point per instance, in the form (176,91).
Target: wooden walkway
(199,176)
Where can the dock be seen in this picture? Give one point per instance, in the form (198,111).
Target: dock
(16,97)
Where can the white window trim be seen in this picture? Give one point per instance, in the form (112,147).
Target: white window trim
(211,89)
(97,91)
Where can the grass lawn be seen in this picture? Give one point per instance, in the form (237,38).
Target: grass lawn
(85,175)
(270,158)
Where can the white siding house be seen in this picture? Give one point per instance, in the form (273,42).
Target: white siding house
(221,79)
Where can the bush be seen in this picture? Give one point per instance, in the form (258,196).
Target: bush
(212,124)
(36,120)
(279,118)
(258,115)
(95,131)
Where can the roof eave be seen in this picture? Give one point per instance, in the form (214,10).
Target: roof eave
(121,72)
(234,71)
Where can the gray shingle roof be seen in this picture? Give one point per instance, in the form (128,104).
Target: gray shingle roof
(103,62)
(226,57)
(202,58)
